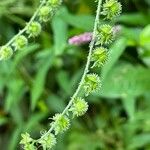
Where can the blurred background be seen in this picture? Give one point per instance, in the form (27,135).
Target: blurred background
(40,79)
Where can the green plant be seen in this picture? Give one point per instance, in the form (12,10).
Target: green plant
(102,36)
(32,29)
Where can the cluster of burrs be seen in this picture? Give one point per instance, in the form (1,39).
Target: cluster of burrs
(105,32)
(32,29)
(90,82)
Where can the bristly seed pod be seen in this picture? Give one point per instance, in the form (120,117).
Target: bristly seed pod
(111,9)
(34,29)
(20,42)
(79,107)
(61,123)
(48,141)
(29,147)
(54,3)
(91,83)
(104,34)
(27,142)
(99,56)
(26,138)
(5,52)
(44,13)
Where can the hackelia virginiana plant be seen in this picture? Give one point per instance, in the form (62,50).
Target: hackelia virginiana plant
(54,3)
(20,42)
(79,107)
(104,34)
(33,28)
(111,9)
(99,56)
(90,82)
(27,142)
(6,52)
(44,13)
(48,141)
(60,123)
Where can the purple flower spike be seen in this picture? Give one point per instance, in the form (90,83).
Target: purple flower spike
(80,39)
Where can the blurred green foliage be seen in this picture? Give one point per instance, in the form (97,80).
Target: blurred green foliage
(39,80)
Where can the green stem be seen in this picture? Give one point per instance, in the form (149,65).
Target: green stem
(86,70)
(24,29)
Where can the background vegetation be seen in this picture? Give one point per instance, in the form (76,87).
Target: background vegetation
(38,81)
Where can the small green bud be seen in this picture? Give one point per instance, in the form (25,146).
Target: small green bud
(91,83)
(44,13)
(27,142)
(111,9)
(99,56)
(61,123)
(48,141)
(104,34)
(29,147)
(79,107)
(20,42)
(26,139)
(34,29)
(5,52)
(54,3)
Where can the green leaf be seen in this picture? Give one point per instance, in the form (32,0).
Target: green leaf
(64,82)
(131,34)
(144,50)
(60,34)
(139,141)
(125,80)
(15,136)
(129,103)
(56,103)
(84,22)
(33,121)
(15,93)
(39,81)
(145,37)
(115,52)
(135,19)
(23,53)
(78,139)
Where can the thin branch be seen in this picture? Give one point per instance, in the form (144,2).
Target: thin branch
(24,29)
(91,46)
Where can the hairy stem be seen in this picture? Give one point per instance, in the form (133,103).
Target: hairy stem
(86,70)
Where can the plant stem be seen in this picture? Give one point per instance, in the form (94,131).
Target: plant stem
(31,20)
(86,70)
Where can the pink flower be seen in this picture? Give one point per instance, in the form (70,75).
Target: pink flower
(87,37)
(80,39)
